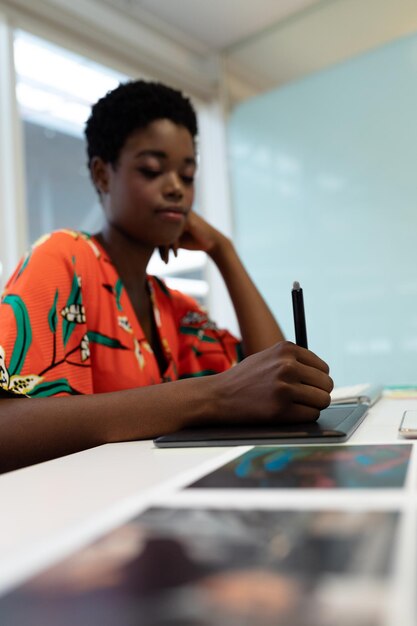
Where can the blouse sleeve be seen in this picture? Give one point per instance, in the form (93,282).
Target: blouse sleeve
(203,347)
(43,333)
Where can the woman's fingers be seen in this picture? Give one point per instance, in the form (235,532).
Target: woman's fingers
(303,367)
(299,413)
(284,383)
(310,396)
(314,377)
(164,253)
(309,358)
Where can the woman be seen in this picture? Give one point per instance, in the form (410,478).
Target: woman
(85,330)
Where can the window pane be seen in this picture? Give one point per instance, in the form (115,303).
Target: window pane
(55,90)
(59,193)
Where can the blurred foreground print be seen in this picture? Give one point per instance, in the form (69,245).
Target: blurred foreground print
(208,567)
(318,467)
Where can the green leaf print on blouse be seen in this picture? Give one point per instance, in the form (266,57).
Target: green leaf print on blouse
(24,263)
(95,337)
(196,323)
(73,313)
(52,315)
(9,377)
(53,387)
(198,332)
(23,335)
(118,288)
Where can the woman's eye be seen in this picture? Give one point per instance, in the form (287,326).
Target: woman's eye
(149,173)
(188,180)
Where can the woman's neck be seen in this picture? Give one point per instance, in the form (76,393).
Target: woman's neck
(130,258)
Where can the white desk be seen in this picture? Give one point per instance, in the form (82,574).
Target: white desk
(50,509)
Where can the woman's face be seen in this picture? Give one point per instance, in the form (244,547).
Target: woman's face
(149,193)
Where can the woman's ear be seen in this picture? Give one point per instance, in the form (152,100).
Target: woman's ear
(100,174)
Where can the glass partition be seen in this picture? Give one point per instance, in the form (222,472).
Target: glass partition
(325,192)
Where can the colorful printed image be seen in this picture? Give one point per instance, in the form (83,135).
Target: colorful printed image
(202,567)
(320,467)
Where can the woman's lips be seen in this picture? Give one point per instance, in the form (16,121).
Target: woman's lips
(171,214)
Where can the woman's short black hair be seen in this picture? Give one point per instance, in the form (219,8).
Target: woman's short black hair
(130,107)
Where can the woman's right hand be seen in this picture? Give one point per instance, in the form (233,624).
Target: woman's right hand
(282,384)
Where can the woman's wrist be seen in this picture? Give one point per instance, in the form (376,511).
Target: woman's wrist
(203,405)
(221,249)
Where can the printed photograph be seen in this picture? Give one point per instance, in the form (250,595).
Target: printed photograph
(318,467)
(207,567)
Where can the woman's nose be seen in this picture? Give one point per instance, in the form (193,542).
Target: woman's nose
(173,187)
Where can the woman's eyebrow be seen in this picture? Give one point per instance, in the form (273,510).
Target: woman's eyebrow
(160,154)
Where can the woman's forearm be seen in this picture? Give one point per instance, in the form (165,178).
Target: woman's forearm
(258,326)
(282,383)
(35,430)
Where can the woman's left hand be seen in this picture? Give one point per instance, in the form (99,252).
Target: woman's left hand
(197,235)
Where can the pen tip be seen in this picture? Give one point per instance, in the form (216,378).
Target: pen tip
(296,285)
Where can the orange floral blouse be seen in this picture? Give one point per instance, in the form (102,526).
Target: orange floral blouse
(67,326)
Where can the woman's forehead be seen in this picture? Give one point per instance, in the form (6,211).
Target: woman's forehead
(162,135)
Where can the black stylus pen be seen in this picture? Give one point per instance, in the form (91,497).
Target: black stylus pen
(299,317)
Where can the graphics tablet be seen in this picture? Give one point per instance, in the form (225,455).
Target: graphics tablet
(335,424)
